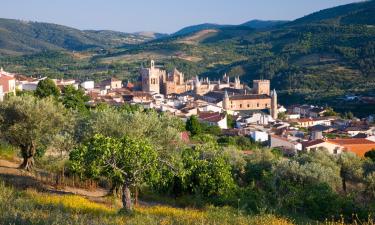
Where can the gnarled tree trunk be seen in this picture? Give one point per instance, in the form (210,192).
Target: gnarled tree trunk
(126,197)
(28,152)
(343,179)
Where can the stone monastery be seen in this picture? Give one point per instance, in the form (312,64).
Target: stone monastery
(233,95)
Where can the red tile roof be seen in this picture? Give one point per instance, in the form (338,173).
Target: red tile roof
(312,143)
(210,116)
(350,141)
(358,146)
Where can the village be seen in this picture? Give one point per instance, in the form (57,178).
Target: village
(237,109)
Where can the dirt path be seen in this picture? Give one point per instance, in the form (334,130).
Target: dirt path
(11,174)
(21,179)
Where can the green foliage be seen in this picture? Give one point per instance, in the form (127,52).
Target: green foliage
(351,168)
(193,125)
(281,116)
(47,88)
(370,155)
(230,121)
(348,115)
(7,151)
(210,129)
(126,161)
(205,174)
(23,124)
(241,142)
(330,112)
(74,98)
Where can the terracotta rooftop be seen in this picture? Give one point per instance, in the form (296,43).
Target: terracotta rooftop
(210,116)
(312,143)
(20,77)
(3,77)
(302,120)
(351,141)
(251,96)
(358,146)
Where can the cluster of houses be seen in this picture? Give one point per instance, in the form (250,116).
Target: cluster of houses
(11,82)
(254,110)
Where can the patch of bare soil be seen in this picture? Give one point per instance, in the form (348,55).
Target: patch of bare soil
(21,179)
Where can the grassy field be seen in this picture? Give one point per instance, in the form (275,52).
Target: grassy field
(32,207)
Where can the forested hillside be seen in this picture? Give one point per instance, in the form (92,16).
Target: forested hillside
(20,37)
(317,58)
(321,56)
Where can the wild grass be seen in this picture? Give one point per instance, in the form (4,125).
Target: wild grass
(7,151)
(32,207)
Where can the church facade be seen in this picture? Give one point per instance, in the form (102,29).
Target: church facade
(160,81)
(261,98)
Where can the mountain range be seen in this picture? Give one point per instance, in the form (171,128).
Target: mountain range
(25,37)
(315,58)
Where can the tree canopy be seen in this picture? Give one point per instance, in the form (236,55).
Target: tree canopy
(46,88)
(31,124)
(129,161)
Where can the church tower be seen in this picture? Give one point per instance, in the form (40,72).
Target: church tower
(197,86)
(237,83)
(226,101)
(152,78)
(274,111)
(261,87)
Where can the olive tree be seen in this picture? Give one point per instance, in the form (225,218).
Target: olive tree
(30,123)
(129,161)
(46,88)
(351,168)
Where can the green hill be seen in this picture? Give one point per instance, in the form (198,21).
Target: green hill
(261,24)
(319,56)
(254,24)
(356,13)
(20,37)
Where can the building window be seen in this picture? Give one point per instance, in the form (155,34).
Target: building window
(248,105)
(266,105)
(258,104)
(240,105)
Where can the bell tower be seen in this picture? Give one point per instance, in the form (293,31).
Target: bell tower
(274,111)
(261,87)
(226,101)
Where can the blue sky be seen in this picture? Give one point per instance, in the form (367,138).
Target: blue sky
(158,15)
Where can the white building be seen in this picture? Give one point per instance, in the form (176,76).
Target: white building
(285,143)
(214,119)
(259,136)
(256,118)
(211,108)
(281,109)
(88,85)
(293,116)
